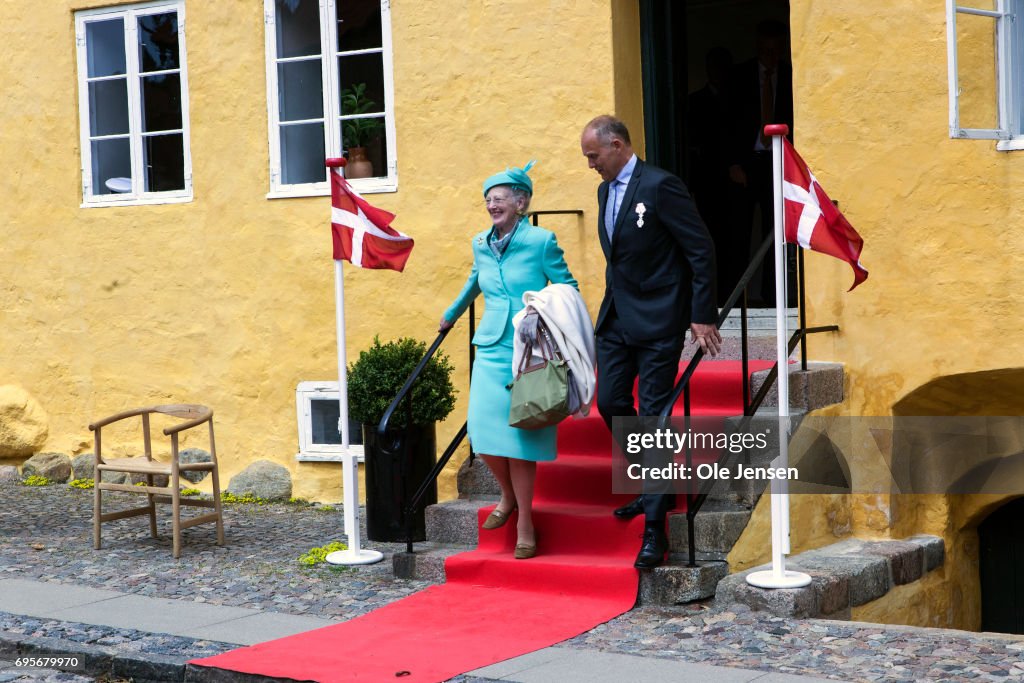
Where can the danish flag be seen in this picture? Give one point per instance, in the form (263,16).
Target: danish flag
(812,220)
(362,234)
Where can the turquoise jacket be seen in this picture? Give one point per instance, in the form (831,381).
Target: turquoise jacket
(531,260)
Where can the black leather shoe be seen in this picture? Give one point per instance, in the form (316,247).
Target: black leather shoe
(652,550)
(631,509)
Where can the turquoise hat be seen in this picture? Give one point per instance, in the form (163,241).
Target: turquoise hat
(516,177)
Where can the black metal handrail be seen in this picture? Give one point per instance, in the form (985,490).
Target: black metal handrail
(406,393)
(695,500)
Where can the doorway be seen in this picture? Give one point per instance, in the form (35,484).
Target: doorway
(704,100)
(1001,566)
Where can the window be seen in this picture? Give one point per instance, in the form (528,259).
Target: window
(329,92)
(318,411)
(133,104)
(985,42)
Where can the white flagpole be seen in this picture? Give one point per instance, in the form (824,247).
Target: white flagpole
(778,577)
(355,554)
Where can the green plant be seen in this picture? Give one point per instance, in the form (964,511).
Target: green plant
(378,375)
(81,483)
(315,556)
(190,492)
(226,497)
(358,132)
(35,480)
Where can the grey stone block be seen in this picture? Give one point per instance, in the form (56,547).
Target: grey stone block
(9,644)
(820,385)
(475,479)
(783,602)
(426,564)
(93,659)
(906,560)
(867,576)
(455,521)
(190,456)
(717,527)
(9,473)
(136,478)
(934,550)
(673,584)
(149,667)
(53,466)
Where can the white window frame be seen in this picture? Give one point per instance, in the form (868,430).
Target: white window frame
(1009,18)
(137,196)
(332,134)
(305,393)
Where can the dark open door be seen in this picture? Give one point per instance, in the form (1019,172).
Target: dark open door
(1001,565)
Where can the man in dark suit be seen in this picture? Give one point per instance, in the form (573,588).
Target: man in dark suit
(762,94)
(660,279)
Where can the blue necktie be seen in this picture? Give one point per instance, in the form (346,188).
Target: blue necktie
(611,209)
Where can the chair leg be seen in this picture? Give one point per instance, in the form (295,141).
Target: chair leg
(152,508)
(96,507)
(217,508)
(176,518)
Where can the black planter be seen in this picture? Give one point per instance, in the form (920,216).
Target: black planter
(394,471)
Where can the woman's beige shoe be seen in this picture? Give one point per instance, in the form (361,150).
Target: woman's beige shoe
(524,551)
(497,519)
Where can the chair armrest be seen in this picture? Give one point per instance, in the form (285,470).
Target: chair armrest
(174,429)
(119,416)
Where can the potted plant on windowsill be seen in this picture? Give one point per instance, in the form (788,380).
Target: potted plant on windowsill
(356,133)
(373,382)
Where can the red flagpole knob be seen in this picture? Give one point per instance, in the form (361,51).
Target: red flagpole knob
(776,129)
(335,162)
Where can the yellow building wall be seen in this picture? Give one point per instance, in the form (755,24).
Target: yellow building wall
(228,300)
(942,244)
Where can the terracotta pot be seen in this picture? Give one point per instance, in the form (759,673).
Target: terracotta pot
(358,165)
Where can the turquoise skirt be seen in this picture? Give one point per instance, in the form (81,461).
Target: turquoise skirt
(489,403)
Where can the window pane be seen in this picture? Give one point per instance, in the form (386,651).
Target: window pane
(104,42)
(358,24)
(324,417)
(298,28)
(111,166)
(158,42)
(976,64)
(300,90)
(302,154)
(164,157)
(108,107)
(161,102)
(362,84)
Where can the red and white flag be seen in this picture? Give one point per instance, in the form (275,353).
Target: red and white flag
(362,234)
(812,220)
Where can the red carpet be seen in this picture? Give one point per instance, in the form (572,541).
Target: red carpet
(494,607)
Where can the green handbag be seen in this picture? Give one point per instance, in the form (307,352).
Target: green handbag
(540,392)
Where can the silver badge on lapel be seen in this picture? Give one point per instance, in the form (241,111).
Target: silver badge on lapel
(640,211)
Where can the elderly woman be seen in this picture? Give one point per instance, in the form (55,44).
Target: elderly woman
(509,258)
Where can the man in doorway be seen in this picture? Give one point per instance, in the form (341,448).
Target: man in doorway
(762,94)
(659,280)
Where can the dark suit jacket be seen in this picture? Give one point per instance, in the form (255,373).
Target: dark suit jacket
(746,107)
(660,274)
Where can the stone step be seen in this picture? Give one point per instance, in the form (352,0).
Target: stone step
(455,521)
(427,562)
(759,321)
(673,583)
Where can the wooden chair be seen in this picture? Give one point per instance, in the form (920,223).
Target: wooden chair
(194,415)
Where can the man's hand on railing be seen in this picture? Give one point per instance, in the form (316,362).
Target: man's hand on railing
(444,326)
(708,337)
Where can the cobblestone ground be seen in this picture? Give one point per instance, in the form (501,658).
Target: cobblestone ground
(45,535)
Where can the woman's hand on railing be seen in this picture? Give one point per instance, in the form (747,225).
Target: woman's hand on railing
(445,325)
(708,337)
